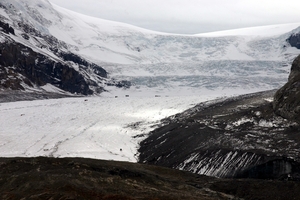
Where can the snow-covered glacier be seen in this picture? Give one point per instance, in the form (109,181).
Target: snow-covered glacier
(248,60)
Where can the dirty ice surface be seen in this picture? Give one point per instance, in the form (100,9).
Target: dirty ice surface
(95,127)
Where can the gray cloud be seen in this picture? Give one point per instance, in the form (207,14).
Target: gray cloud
(191,16)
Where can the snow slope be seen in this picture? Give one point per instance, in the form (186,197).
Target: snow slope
(248,60)
(120,43)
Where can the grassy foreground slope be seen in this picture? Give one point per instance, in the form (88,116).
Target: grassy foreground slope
(78,178)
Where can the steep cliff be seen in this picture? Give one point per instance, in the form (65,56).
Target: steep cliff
(21,67)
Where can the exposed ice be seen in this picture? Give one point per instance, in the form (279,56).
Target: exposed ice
(93,127)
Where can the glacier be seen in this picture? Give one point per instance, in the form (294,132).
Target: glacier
(103,128)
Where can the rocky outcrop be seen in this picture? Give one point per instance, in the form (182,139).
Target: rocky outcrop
(119,84)
(287,99)
(6,28)
(294,40)
(21,66)
(83,63)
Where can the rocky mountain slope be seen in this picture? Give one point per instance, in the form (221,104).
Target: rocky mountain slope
(78,178)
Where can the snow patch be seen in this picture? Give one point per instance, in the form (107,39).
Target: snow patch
(243,121)
(264,123)
(51,88)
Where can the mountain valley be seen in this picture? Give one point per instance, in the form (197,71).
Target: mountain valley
(80,94)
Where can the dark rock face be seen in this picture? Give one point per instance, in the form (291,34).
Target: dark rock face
(120,84)
(294,40)
(37,69)
(287,99)
(83,63)
(283,168)
(6,28)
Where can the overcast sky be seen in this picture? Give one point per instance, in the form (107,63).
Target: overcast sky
(189,16)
